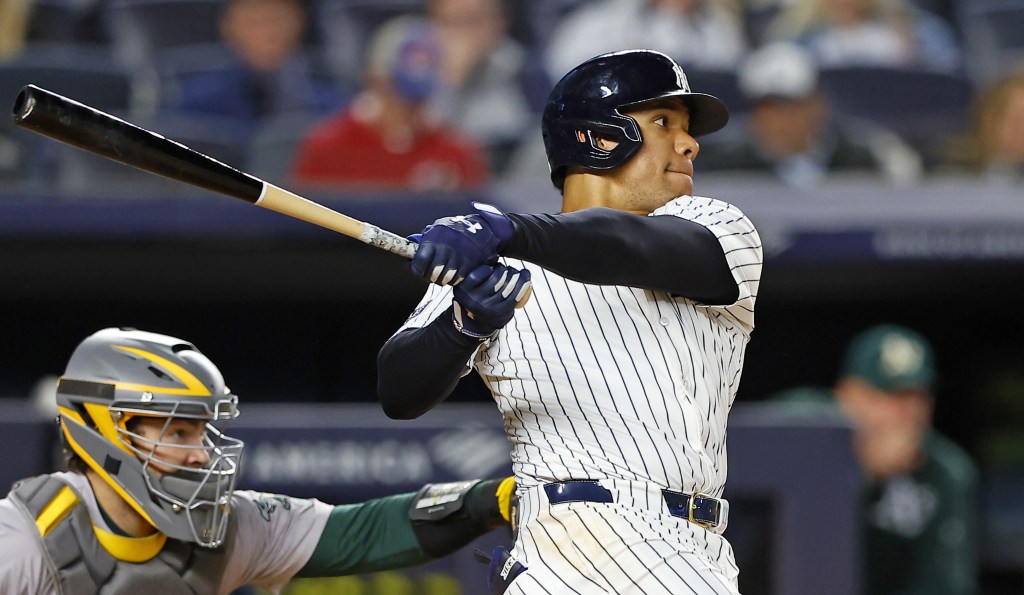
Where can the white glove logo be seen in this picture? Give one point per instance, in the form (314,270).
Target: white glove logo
(471,226)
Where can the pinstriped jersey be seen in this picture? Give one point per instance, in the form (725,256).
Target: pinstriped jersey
(622,382)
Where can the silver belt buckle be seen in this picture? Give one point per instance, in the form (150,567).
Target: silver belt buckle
(723,513)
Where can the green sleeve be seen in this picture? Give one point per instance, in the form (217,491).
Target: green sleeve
(366,537)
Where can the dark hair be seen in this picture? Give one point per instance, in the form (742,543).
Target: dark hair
(73,462)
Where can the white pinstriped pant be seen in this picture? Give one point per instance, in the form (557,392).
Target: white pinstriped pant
(629,547)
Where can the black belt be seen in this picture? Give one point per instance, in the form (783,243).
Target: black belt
(699,509)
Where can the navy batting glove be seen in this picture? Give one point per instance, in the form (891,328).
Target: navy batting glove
(486,299)
(453,246)
(502,570)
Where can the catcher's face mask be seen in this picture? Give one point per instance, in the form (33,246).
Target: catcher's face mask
(147,413)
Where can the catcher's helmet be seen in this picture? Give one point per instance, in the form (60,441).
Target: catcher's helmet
(589,99)
(117,375)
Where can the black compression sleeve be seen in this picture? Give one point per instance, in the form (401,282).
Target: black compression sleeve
(418,368)
(610,247)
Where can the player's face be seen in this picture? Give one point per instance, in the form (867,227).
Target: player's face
(265,33)
(888,426)
(663,167)
(172,443)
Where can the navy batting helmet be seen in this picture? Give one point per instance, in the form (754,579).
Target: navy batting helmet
(589,99)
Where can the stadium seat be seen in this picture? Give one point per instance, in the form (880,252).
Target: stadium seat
(66,21)
(85,74)
(141,29)
(994,36)
(720,83)
(344,29)
(757,18)
(544,17)
(924,107)
(272,147)
(175,65)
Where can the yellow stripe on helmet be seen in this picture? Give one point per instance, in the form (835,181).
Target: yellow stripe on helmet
(193,386)
(100,415)
(98,468)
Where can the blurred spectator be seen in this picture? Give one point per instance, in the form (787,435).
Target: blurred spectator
(947,10)
(997,130)
(483,74)
(14,19)
(388,138)
(700,34)
(267,73)
(869,33)
(918,504)
(793,133)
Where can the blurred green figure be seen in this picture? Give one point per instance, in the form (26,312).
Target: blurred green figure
(918,504)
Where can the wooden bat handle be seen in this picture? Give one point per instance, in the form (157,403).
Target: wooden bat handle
(293,205)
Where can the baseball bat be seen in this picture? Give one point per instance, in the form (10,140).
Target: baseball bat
(92,130)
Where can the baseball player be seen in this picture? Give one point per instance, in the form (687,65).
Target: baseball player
(616,378)
(918,502)
(149,506)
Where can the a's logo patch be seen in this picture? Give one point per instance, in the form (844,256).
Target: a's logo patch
(268,503)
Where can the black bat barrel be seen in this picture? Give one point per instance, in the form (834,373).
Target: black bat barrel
(92,130)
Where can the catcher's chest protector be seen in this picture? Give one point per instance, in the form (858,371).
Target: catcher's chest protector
(85,567)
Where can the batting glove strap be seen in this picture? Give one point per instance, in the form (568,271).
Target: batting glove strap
(465,325)
(500,225)
(486,300)
(502,569)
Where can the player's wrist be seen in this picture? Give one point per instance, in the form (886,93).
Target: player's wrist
(468,327)
(501,227)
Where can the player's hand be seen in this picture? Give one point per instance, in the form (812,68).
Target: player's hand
(486,299)
(453,246)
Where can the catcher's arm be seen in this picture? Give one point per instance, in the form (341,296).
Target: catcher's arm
(408,529)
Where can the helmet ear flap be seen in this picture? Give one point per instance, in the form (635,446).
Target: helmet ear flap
(586,137)
(625,134)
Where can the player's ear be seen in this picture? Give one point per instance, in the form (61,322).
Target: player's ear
(601,141)
(605,143)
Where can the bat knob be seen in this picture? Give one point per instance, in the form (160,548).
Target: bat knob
(24,103)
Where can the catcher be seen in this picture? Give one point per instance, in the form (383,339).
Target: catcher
(148,503)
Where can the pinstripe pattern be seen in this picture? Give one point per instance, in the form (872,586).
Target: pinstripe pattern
(632,387)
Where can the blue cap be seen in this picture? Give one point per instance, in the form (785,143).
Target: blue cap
(415,71)
(405,52)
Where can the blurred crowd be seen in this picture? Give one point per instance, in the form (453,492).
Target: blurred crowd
(442,95)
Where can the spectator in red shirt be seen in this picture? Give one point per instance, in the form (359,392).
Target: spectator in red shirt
(387,138)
